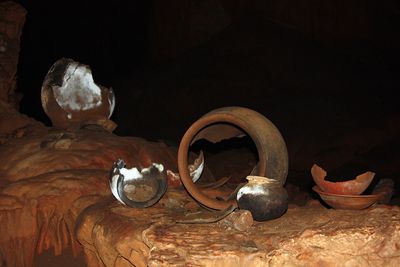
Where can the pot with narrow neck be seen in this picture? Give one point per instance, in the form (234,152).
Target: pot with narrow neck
(265,198)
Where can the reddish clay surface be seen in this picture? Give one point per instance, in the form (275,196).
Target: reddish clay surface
(350,187)
(347,202)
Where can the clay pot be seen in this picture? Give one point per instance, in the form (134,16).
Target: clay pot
(139,189)
(71,98)
(265,198)
(225,123)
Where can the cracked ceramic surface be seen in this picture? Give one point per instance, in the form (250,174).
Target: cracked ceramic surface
(72,99)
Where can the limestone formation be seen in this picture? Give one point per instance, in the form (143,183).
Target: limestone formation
(12,19)
(305,236)
(49,177)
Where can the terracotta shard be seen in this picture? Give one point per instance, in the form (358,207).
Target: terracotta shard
(195,170)
(351,187)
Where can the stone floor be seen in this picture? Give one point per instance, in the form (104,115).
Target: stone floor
(312,235)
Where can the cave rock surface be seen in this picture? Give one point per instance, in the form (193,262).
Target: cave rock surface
(313,235)
(49,176)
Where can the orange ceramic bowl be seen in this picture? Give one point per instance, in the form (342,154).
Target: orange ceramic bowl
(347,202)
(351,187)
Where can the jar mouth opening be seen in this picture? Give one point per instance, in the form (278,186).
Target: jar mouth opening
(261,180)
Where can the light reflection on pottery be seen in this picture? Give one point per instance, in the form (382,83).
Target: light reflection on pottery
(265,198)
(139,189)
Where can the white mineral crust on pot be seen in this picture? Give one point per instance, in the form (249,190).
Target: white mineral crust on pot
(78,91)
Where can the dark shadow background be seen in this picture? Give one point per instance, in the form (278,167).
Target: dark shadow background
(325,72)
(111,37)
(128,41)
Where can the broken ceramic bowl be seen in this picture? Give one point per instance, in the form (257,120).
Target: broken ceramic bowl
(143,187)
(348,202)
(137,188)
(351,187)
(71,98)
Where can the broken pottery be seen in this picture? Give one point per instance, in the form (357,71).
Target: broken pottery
(139,189)
(142,189)
(71,98)
(265,198)
(351,187)
(195,170)
(228,122)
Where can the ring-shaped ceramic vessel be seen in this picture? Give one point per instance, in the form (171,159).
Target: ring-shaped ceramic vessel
(228,122)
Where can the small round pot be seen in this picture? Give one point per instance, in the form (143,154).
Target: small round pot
(138,189)
(265,198)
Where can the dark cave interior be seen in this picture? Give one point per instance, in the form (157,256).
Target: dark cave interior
(149,41)
(318,70)
(324,72)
